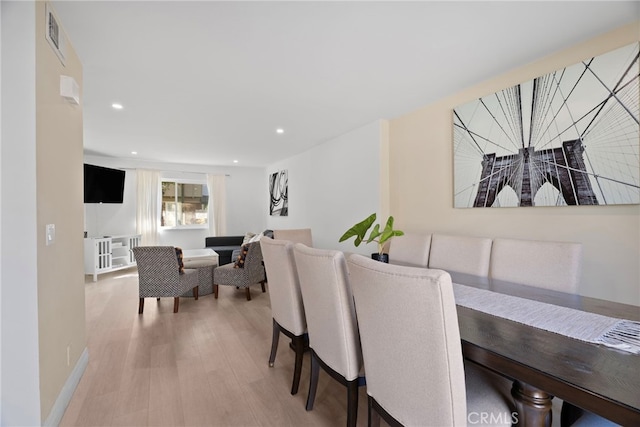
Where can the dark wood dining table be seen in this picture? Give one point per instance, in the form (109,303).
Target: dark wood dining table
(543,364)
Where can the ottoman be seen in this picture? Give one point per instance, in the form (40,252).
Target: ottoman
(203,260)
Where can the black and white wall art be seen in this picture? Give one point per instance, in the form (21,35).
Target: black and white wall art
(279,191)
(570,137)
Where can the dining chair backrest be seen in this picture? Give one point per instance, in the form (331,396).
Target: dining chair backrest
(410,341)
(543,264)
(298,235)
(284,288)
(463,254)
(328,304)
(411,249)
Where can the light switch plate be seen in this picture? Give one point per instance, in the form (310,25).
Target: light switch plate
(51,234)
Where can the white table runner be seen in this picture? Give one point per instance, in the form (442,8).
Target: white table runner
(581,325)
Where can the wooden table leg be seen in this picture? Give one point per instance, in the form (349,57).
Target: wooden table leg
(533,405)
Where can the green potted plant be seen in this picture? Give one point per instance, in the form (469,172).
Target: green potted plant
(360,230)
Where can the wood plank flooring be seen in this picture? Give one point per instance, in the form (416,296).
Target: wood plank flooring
(207,365)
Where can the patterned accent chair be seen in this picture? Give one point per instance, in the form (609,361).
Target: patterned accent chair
(251,272)
(159,275)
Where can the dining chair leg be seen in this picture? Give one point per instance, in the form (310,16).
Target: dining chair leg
(374,416)
(248,294)
(313,382)
(352,402)
(298,344)
(141,306)
(215,291)
(176,304)
(275,338)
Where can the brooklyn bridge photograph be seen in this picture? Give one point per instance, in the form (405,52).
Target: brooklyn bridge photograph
(570,137)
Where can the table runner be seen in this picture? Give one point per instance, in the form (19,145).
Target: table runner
(590,327)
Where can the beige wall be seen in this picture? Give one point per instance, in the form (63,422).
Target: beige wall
(61,316)
(421,177)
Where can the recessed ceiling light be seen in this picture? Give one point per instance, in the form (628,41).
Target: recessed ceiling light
(117,106)
(235,161)
(134,152)
(279,130)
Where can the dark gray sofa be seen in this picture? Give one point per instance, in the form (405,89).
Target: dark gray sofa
(225,246)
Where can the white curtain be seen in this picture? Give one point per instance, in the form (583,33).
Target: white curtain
(216,184)
(147,215)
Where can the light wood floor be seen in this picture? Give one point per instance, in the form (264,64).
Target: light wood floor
(207,365)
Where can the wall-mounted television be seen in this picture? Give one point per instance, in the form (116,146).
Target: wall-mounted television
(103,185)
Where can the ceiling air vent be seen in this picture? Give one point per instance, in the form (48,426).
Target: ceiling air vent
(54,34)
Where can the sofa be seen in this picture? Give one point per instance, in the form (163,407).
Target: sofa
(226,246)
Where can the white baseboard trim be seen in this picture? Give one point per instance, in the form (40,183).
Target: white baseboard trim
(55,416)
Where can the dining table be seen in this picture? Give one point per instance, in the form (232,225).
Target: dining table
(543,364)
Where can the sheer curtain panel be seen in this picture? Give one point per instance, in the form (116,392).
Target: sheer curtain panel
(147,214)
(217,205)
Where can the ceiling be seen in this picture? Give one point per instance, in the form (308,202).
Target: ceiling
(209,82)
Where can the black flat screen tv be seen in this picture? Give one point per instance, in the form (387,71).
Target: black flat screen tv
(103,185)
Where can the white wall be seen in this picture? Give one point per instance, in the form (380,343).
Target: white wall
(246,200)
(332,186)
(20,388)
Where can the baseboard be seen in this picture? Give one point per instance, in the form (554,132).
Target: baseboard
(55,416)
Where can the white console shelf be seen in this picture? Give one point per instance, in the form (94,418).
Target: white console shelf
(109,253)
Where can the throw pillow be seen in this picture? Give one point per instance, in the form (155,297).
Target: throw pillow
(180,263)
(255,238)
(247,237)
(240,260)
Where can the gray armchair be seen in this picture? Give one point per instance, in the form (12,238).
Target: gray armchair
(252,272)
(159,275)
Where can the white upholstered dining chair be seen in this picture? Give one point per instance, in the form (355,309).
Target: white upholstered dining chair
(410,248)
(543,264)
(331,322)
(463,254)
(286,302)
(549,265)
(412,350)
(295,235)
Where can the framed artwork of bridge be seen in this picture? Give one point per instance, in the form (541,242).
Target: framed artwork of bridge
(570,137)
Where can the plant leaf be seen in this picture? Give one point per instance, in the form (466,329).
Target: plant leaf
(387,233)
(359,230)
(374,233)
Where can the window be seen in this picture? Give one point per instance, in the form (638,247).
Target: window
(184,204)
